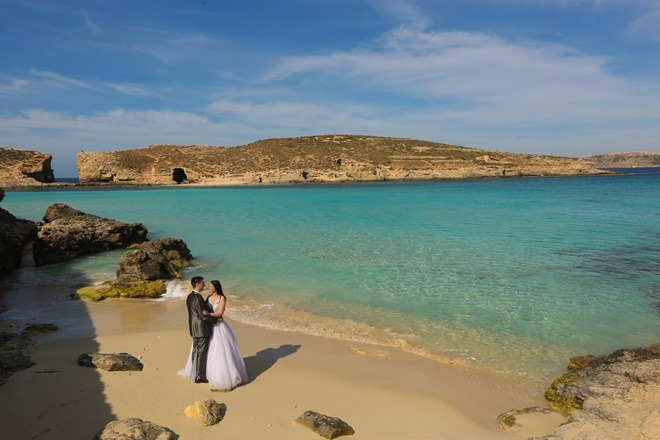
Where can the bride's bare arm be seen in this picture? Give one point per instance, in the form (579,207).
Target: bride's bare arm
(221,308)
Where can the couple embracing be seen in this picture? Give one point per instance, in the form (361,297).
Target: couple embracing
(214,355)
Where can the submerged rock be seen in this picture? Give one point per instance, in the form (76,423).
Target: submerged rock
(134,429)
(110,361)
(69,233)
(325,426)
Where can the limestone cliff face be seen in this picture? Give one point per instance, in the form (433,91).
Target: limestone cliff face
(328,158)
(24,168)
(632,159)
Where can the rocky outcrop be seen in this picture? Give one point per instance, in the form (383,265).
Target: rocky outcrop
(110,361)
(209,411)
(615,397)
(632,159)
(15,234)
(69,233)
(134,429)
(325,426)
(24,168)
(157,259)
(328,158)
(143,271)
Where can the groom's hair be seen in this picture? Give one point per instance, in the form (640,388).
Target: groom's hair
(196,280)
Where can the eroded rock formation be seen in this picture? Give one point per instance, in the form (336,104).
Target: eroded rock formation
(329,158)
(69,233)
(610,397)
(24,168)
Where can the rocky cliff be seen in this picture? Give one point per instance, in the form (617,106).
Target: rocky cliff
(632,159)
(328,158)
(24,168)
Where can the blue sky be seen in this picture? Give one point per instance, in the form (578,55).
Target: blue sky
(562,77)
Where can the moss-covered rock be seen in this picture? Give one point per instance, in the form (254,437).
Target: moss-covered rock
(136,289)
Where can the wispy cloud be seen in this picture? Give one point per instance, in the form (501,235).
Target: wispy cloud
(57,80)
(483,76)
(130,89)
(9,85)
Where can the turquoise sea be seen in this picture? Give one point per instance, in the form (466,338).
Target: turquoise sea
(516,275)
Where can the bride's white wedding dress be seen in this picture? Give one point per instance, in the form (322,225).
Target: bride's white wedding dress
(225,368)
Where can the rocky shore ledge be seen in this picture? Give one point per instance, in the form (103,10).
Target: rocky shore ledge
(614,397)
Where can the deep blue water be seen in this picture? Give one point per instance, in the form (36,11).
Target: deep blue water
(515,274)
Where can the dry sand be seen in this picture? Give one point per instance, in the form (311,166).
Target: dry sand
(383,393)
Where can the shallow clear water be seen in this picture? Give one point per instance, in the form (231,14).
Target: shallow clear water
(517,275)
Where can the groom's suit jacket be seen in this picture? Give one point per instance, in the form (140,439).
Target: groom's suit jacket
(200,325)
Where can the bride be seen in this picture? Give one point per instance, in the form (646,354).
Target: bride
(225,368)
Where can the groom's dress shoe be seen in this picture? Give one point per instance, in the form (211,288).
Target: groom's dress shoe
(201,380)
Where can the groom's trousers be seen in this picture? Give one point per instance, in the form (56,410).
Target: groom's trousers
(200,353)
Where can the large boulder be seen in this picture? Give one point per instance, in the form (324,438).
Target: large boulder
(154,260)
(615,397)
(143,271)
(15,234)
(69,233)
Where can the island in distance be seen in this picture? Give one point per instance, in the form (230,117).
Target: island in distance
(324,158)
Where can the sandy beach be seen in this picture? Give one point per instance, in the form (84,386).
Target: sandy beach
(381,392)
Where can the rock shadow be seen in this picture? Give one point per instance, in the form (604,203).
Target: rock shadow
(264,359)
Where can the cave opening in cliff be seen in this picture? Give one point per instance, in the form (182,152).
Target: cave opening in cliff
(179,175)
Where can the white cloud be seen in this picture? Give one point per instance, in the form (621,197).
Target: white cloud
(489,79)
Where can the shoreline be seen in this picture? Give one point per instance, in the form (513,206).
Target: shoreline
(381,391)
(242,183)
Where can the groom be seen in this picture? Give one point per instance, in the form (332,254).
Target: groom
(200,324)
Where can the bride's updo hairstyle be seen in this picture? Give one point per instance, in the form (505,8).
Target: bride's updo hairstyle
(218,287)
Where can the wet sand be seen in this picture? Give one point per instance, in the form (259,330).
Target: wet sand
(382,392)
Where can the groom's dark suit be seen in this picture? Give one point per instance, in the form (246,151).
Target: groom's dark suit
(201,327)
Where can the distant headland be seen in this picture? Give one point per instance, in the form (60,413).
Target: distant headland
(323,158)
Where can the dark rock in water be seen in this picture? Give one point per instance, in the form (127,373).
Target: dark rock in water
(326,426)
(110,361)
(134,429)
(209,411)
(614,397)
(15,234)
(69,233)
(154,260)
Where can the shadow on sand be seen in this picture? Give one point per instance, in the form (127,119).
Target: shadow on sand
(266,358)
(75,393)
